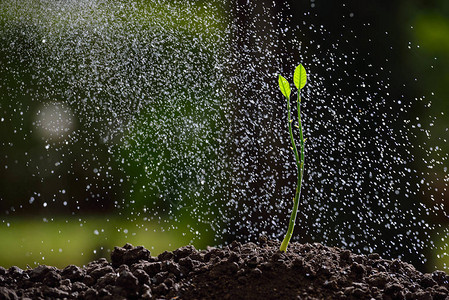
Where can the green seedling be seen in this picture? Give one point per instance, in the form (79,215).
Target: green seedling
(299,79)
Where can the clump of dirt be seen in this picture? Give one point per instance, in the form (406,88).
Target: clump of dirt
(237,271)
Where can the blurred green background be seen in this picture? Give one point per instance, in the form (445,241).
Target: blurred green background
(104,133)
(43,201)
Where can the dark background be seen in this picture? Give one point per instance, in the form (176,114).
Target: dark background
(396,50)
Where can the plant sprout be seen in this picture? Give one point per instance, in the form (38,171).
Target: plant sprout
(299,79)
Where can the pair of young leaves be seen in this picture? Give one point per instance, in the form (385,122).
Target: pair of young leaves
(299,79)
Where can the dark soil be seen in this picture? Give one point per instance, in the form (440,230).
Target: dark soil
(238,271)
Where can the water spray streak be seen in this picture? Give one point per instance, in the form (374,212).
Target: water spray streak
(168,111)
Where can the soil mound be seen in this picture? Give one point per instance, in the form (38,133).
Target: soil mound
(237,271)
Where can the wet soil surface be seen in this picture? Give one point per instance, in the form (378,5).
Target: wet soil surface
(237,271)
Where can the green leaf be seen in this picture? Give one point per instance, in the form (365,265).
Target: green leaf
(300,77)
(284,86)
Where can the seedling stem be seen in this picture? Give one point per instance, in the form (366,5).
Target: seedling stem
(299,78)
